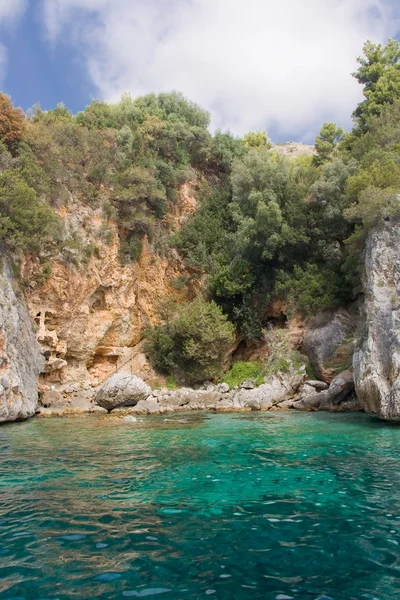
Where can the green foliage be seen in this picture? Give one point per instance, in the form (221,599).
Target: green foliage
(282,357)
(326,142)
(26,224)
(131,248)
(311,289)
(191,346)
(327,200)
(206,235)
(12,123)
(244,371)
(224,149)
(256,140)
(378,168)
(171,383)
(379,73)
(278,214)
(373,205)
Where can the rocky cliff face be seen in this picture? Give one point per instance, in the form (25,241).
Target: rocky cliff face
(328,343)
(377,359)
(20,356)
(91,317)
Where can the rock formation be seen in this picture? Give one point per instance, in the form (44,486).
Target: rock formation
(91,317)
(377,358)
(328,343)
(122,389)
(335,398)
(127,395)
(20,357)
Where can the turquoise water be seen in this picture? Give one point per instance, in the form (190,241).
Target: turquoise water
(301,506)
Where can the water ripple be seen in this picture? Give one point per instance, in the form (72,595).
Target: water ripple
(303,506)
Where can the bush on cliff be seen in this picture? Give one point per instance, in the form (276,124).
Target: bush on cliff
(12,122)
(25,222)
(193,344)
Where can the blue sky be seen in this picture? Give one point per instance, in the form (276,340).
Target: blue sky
(41,71)
(254,64)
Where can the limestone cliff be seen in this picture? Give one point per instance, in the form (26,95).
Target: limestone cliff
(90,317)
(377,359)
(20,357)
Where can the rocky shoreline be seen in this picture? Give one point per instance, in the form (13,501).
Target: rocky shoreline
(125,394)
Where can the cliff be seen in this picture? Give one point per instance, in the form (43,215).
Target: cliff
(91,317)
(20,354)
(377,358)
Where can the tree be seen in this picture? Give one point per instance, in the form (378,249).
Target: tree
(12,122)
(373,205)
(193,345)
(256,140)
(25,222)
(326,142)
(225,148)
(311,289)
(379,73)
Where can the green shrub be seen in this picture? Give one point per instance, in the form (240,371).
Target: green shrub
(243,371)
(310,290)
(171,383)
(131,248)
(26,223)
(282,356)
(373,205)
(193,344)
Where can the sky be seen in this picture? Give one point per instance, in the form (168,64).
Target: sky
(280,65)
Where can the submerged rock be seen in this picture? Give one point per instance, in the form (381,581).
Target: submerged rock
(377,359)
(122,389)
(129,419)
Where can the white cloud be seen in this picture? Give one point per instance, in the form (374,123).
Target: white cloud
(3,62)
(10,10)
(253,63)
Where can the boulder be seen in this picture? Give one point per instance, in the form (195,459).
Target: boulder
(330,399)
(277,389)
(223,388)
(376,360)
(319,386)
(52,399)
(122,389)
(248,385)
(328,343)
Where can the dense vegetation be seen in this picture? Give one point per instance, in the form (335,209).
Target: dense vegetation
(193,343)
(266,227)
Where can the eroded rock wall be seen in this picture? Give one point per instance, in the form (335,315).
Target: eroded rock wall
(91,316)
(20,354)
(377,359)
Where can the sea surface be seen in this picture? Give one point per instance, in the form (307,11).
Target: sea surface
(275,506)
